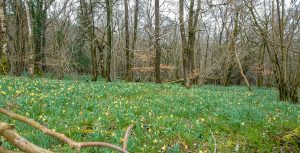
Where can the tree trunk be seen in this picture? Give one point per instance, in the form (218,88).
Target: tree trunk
(30,40)
(21,37)
(260,78)
(191,41)
(188,45)
(241,69)
(186,80)
(193,25)
(127,50)
(94,60)
(101,57)
(234,35)
(206,52)
(87,12)
(288,92)
(38,14)
(135,31)
(44,39)
(92,41)
(157,45)
(4,62)
(2,32)
(109,39)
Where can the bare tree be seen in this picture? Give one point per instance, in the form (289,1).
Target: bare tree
(279,38)
(233,45)
(188,45)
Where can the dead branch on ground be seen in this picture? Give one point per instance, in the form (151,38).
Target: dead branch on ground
(8,131)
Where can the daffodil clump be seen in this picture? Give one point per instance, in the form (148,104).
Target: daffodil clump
(166,118)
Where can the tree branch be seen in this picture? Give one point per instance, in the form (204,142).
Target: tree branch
(10,134)
(73,144)
(4,150)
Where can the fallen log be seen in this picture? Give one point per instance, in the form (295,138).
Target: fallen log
(174,81)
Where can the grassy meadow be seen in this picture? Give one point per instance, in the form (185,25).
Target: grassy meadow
(166,117)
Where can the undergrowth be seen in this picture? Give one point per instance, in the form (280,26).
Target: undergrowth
(166,118)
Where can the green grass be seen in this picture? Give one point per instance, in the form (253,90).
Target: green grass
(165,116)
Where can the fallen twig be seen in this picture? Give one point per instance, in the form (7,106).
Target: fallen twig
(127,134)
(215,141)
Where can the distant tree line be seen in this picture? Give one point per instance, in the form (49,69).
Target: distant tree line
(222,42)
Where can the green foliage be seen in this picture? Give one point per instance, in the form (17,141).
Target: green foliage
(82,62)
(4,65)
(166,117)
(38,71)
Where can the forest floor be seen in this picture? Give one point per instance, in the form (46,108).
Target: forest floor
(166,117)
